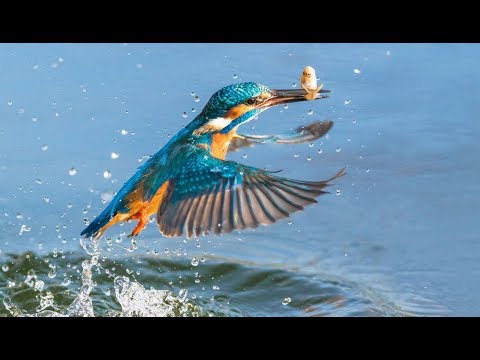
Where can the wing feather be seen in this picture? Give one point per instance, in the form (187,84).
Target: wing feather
(217,196)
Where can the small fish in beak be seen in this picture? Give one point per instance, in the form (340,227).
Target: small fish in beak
(308,81)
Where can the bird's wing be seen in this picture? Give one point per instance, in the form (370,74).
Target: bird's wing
(215,196)
(301,134)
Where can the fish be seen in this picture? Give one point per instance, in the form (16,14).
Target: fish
(308,81)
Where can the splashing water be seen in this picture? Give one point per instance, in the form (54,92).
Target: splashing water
(136,301)
(133,298)
(82,305)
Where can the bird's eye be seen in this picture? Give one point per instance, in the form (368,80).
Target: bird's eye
(251,101)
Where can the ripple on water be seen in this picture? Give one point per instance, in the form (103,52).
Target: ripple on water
(174,287)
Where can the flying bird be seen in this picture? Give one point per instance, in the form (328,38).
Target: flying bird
(190,186)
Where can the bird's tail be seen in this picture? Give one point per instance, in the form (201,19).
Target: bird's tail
(96,228)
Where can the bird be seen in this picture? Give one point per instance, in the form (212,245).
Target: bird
(191,187)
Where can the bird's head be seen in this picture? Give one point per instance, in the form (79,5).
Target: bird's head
(236,104)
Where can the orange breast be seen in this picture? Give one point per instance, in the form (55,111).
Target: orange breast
(220,143)
(136,205)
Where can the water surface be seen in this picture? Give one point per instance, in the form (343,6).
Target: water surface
(397,236)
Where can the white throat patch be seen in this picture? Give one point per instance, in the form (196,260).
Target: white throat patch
(218,123)
(213,125)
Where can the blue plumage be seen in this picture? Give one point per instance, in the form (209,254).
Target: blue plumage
(190,186)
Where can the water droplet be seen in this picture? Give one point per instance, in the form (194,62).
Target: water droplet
(197,281)
(124,132)
(46,199)
(39,285)
(309,158)
(34,119)
(354,121)
(38,181)
(289,222)
(296,155)
(184,114)
(285,106)
(107,196)
(115,155)
(143,158)
(182,294)
(196,98)
(245,156)
(311,145)
(202,260)
(235,76)
(52,273)
(338,149)
(193,110)
(44,147)
(310,112)
(367,170)
(388,53)
(9,103)
(60,59)
(192,93)
(19,216)
(347,102)
(215,287)
(286,301)
(338,192)
(5,268)
(320,151)
(294,85)
(356,71)
(194,261)
(107,174)
(66,282)
(72,171)
(24,228)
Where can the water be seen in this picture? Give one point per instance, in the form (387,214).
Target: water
(396,237)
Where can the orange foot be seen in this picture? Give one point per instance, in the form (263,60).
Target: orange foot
(142,222)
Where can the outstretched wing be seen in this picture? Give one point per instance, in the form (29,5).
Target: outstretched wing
(301,134)
(217,196)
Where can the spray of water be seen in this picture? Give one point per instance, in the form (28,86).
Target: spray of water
(133,298)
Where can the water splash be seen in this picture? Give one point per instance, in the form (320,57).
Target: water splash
(132,297)
(82,305)
(135,300)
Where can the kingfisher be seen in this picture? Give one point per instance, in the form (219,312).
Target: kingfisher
(192,188)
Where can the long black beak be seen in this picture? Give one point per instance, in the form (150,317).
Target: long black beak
(287,96)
